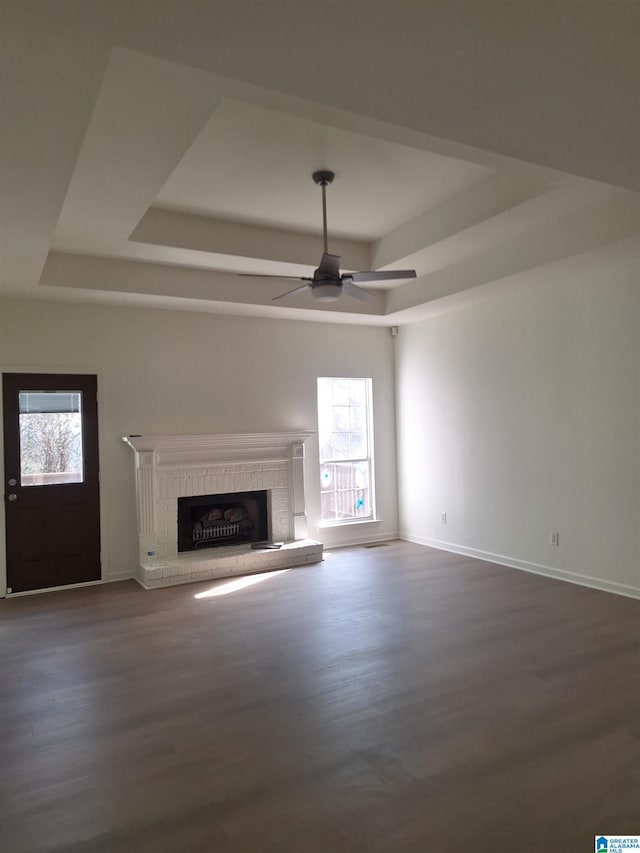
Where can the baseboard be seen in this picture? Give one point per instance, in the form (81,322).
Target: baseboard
(125,577)
(525,566)
(119,576)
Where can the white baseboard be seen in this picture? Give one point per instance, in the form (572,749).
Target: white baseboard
(525,566)
(125,577)
(119,576)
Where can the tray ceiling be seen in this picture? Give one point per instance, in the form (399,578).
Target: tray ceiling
(166,180)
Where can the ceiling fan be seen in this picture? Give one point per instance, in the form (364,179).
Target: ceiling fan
(327,282)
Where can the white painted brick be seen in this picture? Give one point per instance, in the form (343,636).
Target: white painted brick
(212,478)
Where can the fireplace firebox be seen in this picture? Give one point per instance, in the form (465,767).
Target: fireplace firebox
(210,521)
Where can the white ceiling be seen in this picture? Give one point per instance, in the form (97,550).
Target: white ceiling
(254,165)
(133,172)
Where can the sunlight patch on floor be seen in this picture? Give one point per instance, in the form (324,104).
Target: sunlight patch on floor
(238,583)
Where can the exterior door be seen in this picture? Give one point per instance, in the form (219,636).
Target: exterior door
(52,499)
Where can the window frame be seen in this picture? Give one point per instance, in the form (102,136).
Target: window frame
(368,459)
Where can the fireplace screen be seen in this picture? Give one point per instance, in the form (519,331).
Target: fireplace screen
(208,521)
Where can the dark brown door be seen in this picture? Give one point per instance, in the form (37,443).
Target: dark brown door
(52,498)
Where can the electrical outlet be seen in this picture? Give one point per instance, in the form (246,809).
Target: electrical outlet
(443,517)
(554,538)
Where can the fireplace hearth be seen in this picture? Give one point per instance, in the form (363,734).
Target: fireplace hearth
(210,521)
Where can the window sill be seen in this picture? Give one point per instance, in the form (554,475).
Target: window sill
(348,522)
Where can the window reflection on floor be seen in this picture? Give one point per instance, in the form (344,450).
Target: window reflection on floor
(238,583)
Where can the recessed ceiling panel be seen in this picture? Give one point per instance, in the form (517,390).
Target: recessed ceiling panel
(254,165)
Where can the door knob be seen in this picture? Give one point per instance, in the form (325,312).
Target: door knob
(13,497)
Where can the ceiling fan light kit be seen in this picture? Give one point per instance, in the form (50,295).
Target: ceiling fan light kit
(327,291)
(328,283)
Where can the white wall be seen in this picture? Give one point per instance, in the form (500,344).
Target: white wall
(520,413)
(174,372)
(517,413)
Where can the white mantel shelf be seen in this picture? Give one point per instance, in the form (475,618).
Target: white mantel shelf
(253,440)
(172,466)
(191,449)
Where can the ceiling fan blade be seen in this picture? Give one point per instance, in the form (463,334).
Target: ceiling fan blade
(382,275)
(291,292)
(350,289)
(268,275)
(329,267)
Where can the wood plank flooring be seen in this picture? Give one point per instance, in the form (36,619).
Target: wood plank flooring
(390,699)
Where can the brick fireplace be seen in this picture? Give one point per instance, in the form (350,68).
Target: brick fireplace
(169,468)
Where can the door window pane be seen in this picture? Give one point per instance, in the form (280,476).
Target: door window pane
(50,437)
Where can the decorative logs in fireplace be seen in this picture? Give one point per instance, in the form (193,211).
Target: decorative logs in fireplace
(208,521)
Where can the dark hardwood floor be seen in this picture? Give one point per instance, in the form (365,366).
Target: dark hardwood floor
(390,699)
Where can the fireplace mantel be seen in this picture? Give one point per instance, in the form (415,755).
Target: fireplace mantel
(174,450)
(169,467)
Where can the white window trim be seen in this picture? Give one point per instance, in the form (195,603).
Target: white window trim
(349,522)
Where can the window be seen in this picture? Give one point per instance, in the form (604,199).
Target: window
(345,438)
(50,437)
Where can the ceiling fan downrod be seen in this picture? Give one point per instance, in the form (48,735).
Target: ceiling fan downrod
(324,177)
